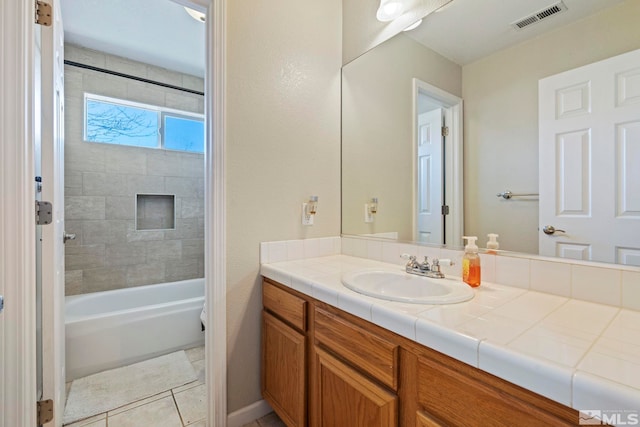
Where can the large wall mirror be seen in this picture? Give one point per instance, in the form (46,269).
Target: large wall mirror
(397,93)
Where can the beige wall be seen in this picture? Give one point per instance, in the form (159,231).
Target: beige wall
(283,145)
(377,103)
(500,95)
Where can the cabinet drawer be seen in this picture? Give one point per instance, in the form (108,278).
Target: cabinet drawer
(288,307)
(450,395)
(363,349)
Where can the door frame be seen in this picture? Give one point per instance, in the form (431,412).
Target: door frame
(453,155)
(17,223)
(17,229)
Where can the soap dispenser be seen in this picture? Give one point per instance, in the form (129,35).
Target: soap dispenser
(471,262)
(492,244)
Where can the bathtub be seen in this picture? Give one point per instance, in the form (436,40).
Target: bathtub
(110,329)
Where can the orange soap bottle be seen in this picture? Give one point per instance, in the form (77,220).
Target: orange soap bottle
(471,262)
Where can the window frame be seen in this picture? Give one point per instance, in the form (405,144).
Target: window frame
(161,112)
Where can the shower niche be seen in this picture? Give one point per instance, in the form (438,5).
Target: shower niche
(155,212)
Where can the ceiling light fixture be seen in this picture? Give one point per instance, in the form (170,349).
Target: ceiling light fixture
(389,10)
(198,16)
(413,26)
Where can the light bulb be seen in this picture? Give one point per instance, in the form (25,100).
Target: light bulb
(389,10)
(198,16)
(413,26)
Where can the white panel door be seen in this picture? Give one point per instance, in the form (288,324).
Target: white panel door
(52,122)
(429,167)
(589,163)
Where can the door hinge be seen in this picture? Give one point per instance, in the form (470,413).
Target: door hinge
(45,411)
(44,213)
(445,210)
(43,13)
(445,130)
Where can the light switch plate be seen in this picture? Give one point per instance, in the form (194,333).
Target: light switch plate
(368,216)
(306,219)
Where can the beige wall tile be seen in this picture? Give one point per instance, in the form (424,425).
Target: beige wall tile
(109,176)
(192,82)
(120,207)
(166,250)
(181,270)
(84,257)
(84,56)
(104,279)
(165,76)
(84,207)
(125,254)
(103,184)
(145,274)
(105,231)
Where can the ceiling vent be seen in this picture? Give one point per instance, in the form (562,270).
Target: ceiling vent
(539,16)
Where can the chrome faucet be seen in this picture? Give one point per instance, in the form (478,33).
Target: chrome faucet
(423,268)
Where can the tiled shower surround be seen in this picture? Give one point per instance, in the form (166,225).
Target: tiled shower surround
(102,181)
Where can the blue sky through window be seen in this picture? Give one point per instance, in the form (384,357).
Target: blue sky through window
(121,124)
(182,133)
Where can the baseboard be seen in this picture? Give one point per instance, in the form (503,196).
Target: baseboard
(248,413)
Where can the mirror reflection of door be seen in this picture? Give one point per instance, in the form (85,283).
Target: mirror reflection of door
(437,165)
(430,221)
(589,155)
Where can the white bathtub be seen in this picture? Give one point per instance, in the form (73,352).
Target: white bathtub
(109,329)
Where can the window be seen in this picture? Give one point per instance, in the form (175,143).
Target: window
(183,133)
(120,122)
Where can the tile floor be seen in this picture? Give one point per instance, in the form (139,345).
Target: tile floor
(178,407)
(269,420)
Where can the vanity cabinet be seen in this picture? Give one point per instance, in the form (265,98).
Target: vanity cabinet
(324,367)
(284,367)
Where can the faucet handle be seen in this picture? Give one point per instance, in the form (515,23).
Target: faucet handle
(412,260)
(408,256)
(443,261)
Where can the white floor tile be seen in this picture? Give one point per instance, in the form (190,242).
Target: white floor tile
(99,420)
(192,404)
(196,353)
(160,413)
(140,403)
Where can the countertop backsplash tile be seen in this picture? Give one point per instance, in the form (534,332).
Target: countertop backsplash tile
(610,284)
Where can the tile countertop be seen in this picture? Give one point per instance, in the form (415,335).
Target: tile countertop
(581,354)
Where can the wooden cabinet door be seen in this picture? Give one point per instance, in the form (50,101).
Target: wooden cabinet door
(283,370)
(425,420)
(345,398)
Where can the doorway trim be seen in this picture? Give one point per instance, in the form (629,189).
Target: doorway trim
(453,156)
(17,227)
(215,235)
(215,215)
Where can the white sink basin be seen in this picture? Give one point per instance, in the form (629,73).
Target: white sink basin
(404,287)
